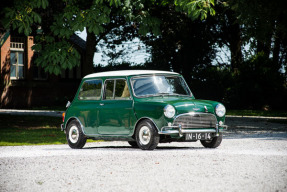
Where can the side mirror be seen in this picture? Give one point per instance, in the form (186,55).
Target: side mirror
(68,104)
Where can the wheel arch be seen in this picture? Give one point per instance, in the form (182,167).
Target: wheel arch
(75,118)
(141,120)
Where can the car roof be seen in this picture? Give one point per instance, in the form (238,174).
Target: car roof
(128,73)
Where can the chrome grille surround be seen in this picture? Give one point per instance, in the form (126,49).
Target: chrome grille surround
(195,120)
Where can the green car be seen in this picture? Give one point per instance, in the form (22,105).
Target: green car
(142,107)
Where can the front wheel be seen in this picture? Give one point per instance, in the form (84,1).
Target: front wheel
(213,143)
(75,136)
(147,136)
(133,144)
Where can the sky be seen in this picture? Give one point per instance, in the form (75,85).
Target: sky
(137,51)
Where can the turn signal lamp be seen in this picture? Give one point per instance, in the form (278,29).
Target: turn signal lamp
(63,116)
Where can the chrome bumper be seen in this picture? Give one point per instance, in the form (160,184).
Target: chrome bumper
(62,127)
(167,130)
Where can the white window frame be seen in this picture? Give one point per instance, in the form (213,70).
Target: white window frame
(17,51)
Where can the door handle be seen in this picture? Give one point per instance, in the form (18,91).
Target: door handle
(101,104)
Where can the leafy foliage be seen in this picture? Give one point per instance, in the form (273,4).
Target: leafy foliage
(184,46)
(263,27)
(61,19)
(182,37)
(24,15)
(196,8)
(56,52)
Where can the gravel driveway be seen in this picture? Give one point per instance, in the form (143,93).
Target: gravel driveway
(252,157)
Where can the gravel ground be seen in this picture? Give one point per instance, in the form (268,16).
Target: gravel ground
(252,157)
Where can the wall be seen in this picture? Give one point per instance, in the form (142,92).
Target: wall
(28,93)
(5,71)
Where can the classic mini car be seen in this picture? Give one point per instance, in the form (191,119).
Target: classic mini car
(141,107)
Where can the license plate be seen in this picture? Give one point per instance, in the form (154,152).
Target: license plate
(198,136)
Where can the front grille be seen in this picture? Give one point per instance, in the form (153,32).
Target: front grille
(196,120)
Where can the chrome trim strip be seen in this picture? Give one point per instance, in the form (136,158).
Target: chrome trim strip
(103,135)
(189,131)
(193,114)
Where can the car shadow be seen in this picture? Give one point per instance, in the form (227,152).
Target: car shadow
(156,149)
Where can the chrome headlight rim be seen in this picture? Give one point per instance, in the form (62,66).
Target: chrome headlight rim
(220,110)
(169,111)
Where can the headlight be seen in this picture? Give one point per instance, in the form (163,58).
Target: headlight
(169,111)
(220,110)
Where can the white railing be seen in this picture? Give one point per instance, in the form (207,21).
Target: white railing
(17,46)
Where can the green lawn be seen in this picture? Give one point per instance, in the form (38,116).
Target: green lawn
(30,130)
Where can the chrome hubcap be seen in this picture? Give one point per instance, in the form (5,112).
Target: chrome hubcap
(144,135)
(74,134)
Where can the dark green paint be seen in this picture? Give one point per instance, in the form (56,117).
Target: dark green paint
(116,119)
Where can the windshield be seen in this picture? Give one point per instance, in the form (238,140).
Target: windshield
(159,85)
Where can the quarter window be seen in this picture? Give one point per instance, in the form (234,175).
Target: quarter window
(117,90)
(91,90)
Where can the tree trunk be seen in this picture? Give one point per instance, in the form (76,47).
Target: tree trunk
(264,43)
(276,49)
(234,44)
(91,42)
(278,40)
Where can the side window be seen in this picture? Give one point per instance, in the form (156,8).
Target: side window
(117,90)
(91,90)
(109,89)
(122,90)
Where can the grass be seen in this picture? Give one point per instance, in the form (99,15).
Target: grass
(41,130)
(30,130)
(257,113)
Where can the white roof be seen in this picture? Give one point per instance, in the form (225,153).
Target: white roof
(128,73)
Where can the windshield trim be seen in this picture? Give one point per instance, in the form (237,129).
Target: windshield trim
(160,95)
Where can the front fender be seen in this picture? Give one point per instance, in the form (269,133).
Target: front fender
(153,112)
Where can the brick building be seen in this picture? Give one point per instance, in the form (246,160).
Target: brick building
(25,85)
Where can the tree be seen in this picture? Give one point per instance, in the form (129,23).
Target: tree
(229,34)
(60,19)
(257,76)
(184,46)
(263,26)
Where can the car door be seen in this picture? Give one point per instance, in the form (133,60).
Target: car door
(116,115)
(87,105)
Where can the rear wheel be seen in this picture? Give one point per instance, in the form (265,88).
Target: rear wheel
(75,136)
(213,143)
(147,136)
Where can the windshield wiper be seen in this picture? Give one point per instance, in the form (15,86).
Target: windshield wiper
(168,94)
(163,94)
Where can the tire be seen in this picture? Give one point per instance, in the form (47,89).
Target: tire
(133,144)
(147,137)
(75,136)
(215,142)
